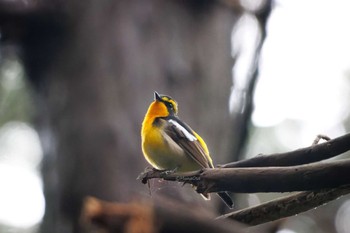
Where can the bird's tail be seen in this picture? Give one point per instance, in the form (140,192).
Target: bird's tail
(224,197)
(206,196)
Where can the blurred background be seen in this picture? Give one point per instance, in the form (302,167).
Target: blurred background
(249,76)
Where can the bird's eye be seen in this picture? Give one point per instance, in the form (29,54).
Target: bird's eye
(171,106)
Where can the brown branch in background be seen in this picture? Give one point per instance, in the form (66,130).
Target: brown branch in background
(305,155)
(117,217)
(148,217)
(286,206)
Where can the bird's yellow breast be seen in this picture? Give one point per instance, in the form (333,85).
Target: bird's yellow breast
(160,152)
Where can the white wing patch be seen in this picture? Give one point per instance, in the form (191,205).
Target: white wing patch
(188,135)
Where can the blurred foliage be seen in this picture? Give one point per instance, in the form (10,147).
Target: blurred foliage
(15,105)
(9,229)
(15,99)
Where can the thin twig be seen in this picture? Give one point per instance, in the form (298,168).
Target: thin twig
(319,137)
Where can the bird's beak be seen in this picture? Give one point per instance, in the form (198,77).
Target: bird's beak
(157,96)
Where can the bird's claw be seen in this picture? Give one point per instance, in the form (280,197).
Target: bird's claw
(169,172)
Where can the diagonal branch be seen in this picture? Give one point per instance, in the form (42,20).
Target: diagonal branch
(286,206)
(305,155)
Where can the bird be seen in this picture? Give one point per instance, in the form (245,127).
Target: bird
(169,144)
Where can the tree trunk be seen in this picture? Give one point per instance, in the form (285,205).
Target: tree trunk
(95,65)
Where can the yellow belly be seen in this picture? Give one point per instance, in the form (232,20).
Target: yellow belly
(166,156)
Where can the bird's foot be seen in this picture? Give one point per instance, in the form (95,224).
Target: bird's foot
(169,172)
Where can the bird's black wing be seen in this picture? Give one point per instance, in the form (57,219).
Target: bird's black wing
(184,136)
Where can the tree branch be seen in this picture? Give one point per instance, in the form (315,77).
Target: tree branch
(305,155)
(286,206)
(276,179)
(323,181)
(270,179)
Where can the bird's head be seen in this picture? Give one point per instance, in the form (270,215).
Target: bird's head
(163,106)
